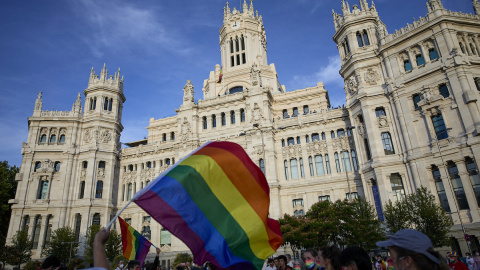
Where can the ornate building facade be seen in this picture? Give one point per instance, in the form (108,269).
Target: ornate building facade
(411,119)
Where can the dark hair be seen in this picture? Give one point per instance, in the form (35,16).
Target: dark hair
(333,254)
(131,264)
(270,260)
(422,261)
(282,257)
(51,261)
(311,251)
(357,256)
(179,267)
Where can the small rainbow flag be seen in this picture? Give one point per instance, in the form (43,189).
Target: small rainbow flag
(216,201)
(135,245)
(220,76)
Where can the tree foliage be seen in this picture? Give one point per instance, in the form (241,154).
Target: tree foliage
(421,212)
(8,187)
(113,247)
(20,250)
(182,258)
(62,244)
(343,223)
(89,237)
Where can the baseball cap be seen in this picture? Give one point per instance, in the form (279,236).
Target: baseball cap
(411,240)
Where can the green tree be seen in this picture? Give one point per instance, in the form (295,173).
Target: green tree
(8,187)
(182,258)
(62,244)
(421,212)
(113,247)
(89,237)
(292,231)
(20,250)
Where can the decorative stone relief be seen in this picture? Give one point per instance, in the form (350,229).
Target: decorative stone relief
(101,173)
(185,129)
(371,76)
(38,102)
(88,135)
(342,143)
(317,147)
(105,136)
(256,113)
(255,77)
(352,85)
(188,93)
(259,151)
(382,121)
(361,130)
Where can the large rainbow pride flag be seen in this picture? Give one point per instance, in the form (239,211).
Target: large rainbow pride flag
(216,201)
(135,245)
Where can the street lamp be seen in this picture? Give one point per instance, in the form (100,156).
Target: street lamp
(71,246)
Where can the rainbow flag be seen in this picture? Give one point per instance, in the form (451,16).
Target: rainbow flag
(216,201)
(220,76)
(135,245)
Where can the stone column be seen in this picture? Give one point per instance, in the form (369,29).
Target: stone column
(410,56)
(466,43)
(467,187)
(426,57)
(475,40)
(447,37)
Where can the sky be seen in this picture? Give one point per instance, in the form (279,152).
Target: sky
(51,46)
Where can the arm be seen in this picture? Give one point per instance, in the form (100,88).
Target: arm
(156,262)
(99,255)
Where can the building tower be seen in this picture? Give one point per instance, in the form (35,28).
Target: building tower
(476,6)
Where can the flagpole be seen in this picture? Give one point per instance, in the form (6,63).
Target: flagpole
(111,222)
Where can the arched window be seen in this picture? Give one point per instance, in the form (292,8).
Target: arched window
(387,143)
(53,138)
(96,219)
(290,141)
(172,135)
(81,192)
(359,40)
(302,171)
(105,104)
(319,165)
(295,112)
(440,188)
(236,89)
(38,165)
(130,168)
(285,113)
(473,48)
(43,138)
(57,166)
(307,138)
(85,164)
(261,164)
(474,177)
(443,89)
(167,161)
(232,117)
(26,223)
(332,134)
(242,115)
(224,119)
(347,45)
(432,53)
(366,41)
(337,163)
(298,139)
(341,132)
(243,43)
(231,46)
(305,109)
(204,119)
(457,186)
(420,60)
(294,168)
(149,164)
(407,65)
(99,189)
(48,230)
(380,111)
(327,164)
(237,45)
(323,136)
(285,163)
(61,139)
(283,143)
(214,120)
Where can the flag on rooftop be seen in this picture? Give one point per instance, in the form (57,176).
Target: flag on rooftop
(135,245)
(216,201)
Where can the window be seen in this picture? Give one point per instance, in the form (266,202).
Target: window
(149,164)
(347,45)
(81,193)
(294,168)
(172,136)
(43,138)
(299,213)
(78,225)
(474,177)
(310,162)
(236,89)
(407,65)
(349,132)
(380,111)
(347,166)
(327,164)
(57,166)
(473,48)
(367,149)
(242,115)
(307,139)
(477,83)
(167,161)
(285,114)
(387,143)
(224,119)
(96,219)
(305,109)
(283,143)
(38,165)
(204,121)
(62,139)
(324,198)
(164,137)
(332,134)
(261,164)
(365,38)
(462,47)
(295,112)
(315,137)
(302,171)
(48,230)
(443,89)
(99,189)
(323,136)
(354,160)
(420,60)
(337,163)
(42,190)
(53,138)
(298,139)
(290,141)
(351,196)
(110,104)
(457,186)
(101,164)
(93,103)
(341,133)
(416,99)
(440,188)
(26,223)
(439,126)
(85,164)
(397,187)
(319,165)
(297,202)
(432,53)
(285,163)
(105,104)
(359,40)
(130,168)
(129,192)
(232,117)
(165,237)
(214,120)
(36,231)
(146,232)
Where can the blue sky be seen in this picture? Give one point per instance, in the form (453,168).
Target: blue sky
(51,46)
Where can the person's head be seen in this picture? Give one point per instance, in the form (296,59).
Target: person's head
(120,263)
(275,262)
(412,249)
(51,263)
(309,256)
(282,261)
(355,258)
(453,257)
(379,258)
(289,257)
(329,257)
(297,264)
(477,253)
(468,255)
(133,265)
(270,262)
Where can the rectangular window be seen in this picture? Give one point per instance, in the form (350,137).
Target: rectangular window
(302,171)
(36,231)
(354,160)
(315,137)
(324,198)
(337,163)
(439,127)
(443,89)
(397,187)
(82,190)
(416,99)
(319,165)
(285,163)
(351,195)
(294,168)
(327,164)
(310,162)
(48,230)
(262,165)
(474,177)
(432,53)
(440,189)
(407,65)
(458,186)
(420,60)
(387,143)
(78,225)
(347,166)
(165,237)
(297,202)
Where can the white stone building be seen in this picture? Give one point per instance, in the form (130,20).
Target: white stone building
(411,116)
